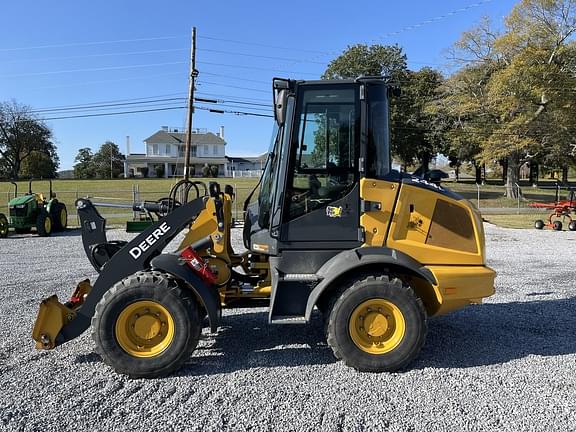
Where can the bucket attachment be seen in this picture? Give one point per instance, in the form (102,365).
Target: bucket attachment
(53,316)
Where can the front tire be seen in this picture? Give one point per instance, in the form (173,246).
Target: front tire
(44,224)
(376,324)
(3,226)
(146,326)
(557,226)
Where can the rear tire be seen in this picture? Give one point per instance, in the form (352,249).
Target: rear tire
(557,226)
(59,215)
(146,326)
(539,224)
(3,226)
(44,224)
(395,321)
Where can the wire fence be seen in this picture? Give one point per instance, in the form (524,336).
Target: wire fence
(490,199)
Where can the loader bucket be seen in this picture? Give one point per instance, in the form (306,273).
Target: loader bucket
(53,316)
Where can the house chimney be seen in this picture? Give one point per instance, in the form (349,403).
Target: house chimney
(165,128)
(221,132)
(127,145)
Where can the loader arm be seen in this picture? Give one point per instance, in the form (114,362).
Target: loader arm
(74,317)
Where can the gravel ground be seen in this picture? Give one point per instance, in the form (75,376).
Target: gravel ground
(508,364)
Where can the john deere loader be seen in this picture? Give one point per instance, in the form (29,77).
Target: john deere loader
(331,229)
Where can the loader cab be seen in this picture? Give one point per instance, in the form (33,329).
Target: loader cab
(328,135)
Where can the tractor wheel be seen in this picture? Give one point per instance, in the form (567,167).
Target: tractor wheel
(59,216)
(146,325)
(539,224)
(3,226)
(376,324)
(557,226)
(44,224)
(572,225)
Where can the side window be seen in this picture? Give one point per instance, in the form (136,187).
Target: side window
(326,153)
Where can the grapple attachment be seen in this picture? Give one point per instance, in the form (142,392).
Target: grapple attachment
(53,316)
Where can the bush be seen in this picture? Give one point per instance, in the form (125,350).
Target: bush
(214,170)
(159,171)
(205,171)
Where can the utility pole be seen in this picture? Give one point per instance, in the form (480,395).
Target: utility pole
(111,161)
(193,75)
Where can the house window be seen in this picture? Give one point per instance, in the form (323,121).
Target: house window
(206,150)
(193,151)
(167,150)
(181,151)
(215,150)
(155,150)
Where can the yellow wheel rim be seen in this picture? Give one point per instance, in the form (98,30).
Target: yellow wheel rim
(47,225)
(3,226)
(63,218)
(145,329)
(377,326)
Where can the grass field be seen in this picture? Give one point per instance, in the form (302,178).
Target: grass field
(121,191)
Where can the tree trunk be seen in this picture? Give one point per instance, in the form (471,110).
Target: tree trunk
(513,176)
(504,164)
(478,169)
(457,173)
(533,173)
(425,159)
(565,174)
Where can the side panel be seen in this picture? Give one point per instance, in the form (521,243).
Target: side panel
(435,228)
(379,198)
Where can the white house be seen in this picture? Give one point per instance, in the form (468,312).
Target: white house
(246,166)
(165,151)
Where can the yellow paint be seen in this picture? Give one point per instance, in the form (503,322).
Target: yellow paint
(457,286)
(63,217)
(409,230)
(375,223)
(52,317)
(377,326)
(144,329)
(48,225)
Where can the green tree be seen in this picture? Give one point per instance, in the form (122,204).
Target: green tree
(528,71)
(84,167)
(22,135)
(40,165)
(108,162)
(412,135)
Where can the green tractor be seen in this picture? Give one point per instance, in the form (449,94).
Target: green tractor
(34,210)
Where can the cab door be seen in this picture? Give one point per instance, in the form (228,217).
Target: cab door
(321,200)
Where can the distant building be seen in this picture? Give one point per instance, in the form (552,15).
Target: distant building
(246,166)
(165,152)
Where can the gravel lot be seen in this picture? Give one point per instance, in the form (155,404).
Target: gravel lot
(509,364)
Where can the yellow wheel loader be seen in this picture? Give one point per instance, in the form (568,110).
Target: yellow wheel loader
(332,228)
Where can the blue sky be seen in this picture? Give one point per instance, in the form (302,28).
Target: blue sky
(69,53)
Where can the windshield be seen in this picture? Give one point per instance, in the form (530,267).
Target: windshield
(267,182)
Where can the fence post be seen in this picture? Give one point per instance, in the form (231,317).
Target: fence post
(478,187)
(519,193)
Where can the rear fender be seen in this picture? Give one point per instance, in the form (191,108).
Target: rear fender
(206,295)
(353,261)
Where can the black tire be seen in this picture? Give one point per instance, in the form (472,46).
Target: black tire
(557,226)
(347,301)
(572,225)
(4,227)
(22,230)
(59,215)
(44,224)
(539,224)
(161,289)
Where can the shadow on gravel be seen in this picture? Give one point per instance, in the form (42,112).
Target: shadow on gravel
(492,334)
(70,232)
(247,341)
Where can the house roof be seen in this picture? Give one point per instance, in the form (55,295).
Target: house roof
(248,159)
(163,137)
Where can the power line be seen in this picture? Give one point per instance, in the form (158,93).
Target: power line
(79,44)
(94,69)
(96,55)
(259,44)
(113,114)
